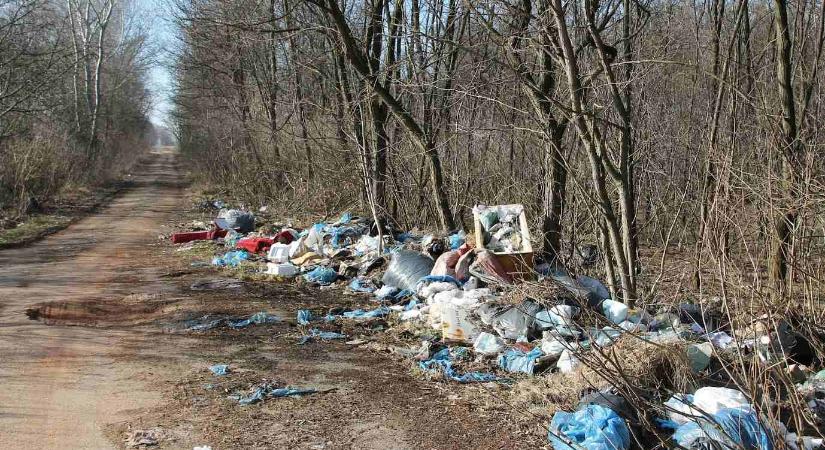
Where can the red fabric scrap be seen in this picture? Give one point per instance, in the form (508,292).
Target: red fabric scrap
(255,245)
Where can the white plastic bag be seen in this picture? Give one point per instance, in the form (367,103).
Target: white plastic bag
(567,361)
(488,344)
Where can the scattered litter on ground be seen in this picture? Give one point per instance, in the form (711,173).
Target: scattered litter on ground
(264,391)
(322,335)
(484,308)
(138,438)
(219,369)
(206,323)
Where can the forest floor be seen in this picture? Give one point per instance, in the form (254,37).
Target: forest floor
(95,346)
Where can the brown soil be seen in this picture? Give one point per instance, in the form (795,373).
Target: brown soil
(94,344)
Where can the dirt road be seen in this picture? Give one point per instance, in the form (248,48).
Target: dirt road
(92,347)
(60,383)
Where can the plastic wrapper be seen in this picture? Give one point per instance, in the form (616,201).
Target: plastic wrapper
(406,268)
(593,427)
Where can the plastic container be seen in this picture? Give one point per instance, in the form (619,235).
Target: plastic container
(278,253)
(456,324)
(281,269)
(615,312)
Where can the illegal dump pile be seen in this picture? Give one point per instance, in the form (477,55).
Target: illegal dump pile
(484,310)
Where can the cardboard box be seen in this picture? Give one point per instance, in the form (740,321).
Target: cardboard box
(518,265)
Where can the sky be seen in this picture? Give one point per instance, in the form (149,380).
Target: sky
(162,38)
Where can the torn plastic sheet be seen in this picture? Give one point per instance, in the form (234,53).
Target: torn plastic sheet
(219,369)
(593,427)
(515,360)
(268,391)
(230,259)
(304,317)
(443,360)
(322,335)
(321,275)
(381,311)
(258,318)
(362,285)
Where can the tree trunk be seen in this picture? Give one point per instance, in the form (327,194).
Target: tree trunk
(786,220)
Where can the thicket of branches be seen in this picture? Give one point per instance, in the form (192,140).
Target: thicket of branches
(73,101)
(688,126)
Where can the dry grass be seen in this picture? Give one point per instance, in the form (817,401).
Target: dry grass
(642,369)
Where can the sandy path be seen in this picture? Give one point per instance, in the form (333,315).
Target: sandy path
(61,384)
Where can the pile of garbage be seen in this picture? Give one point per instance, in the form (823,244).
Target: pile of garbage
(458,288)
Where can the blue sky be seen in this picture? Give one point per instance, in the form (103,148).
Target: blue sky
(161,31)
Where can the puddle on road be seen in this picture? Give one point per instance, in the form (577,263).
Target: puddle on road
(131,310)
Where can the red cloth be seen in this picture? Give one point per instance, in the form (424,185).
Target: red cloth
(285,237)
(182,238)
(255,245)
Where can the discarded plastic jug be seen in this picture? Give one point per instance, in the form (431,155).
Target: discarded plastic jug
(457,324)
(615,312)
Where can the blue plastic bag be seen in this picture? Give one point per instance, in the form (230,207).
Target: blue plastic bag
(231,259)
(457,240)
(258,318)
(321,275)
(381,311)
(219,369)
(514,360)
(362,285)
(264,391)
(443,360)
(593,427)
(304,316)
(322,335)
(731,428)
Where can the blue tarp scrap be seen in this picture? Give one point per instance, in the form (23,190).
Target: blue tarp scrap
(219,369)
(443,360)
(231,259)
(304,317)
(322,335)
(258,318)
(381,311)
(395,295)
(214,323)
(730,428)
(406,236)
(439,279)
(593,427)
(457,240)
(514,360)
(360,284)
(321,275)
(268,391)
(341,234)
